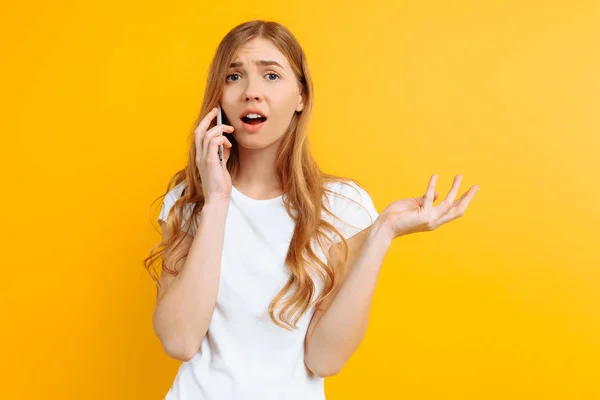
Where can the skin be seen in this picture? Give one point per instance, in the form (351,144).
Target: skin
(276,92)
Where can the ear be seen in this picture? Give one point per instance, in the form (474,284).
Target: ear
(300,105)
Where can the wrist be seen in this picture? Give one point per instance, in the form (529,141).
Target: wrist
(215,206)
(380,232)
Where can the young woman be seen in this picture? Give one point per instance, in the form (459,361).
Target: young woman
(269,264)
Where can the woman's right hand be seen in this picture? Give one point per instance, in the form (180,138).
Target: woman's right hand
(216,181)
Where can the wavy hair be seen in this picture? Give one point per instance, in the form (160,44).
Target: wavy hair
(304,184)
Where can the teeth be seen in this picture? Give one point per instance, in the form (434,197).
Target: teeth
(252,115)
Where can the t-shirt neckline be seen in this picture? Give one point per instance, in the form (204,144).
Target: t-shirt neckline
(242,197)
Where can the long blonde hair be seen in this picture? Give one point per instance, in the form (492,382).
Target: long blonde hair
(304,184)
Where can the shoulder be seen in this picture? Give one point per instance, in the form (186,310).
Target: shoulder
(170,198)
(342,192)
(352,204)
(175,193)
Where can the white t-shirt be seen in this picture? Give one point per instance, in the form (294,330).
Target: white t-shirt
(244,354)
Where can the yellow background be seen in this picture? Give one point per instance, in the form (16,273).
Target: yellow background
(503,303)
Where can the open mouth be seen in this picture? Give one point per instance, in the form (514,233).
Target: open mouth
(254,121)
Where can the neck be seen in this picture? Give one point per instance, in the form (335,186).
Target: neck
(256,172)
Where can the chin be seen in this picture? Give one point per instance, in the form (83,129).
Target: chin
(256,141)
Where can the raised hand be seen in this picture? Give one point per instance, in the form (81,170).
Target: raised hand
(216,181)
(412,215)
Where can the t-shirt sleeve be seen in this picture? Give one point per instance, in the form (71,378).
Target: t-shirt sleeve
(168,202)
(357,215)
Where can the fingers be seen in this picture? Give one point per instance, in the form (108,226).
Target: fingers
(207,120)
(213,133)
(227,145)
(457,201)
(466,199)
(421,199)
(213,139)
(459,206)
(202,127)
(213,148)
(448,209)
(445,205)
(428,198)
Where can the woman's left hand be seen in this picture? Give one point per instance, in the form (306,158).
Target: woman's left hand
(412,215)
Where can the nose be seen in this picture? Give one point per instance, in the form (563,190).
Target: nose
(251,92)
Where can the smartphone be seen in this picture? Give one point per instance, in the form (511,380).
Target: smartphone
(219,122)
(222,119)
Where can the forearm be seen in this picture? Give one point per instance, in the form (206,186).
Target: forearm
(342,326)
(184,312)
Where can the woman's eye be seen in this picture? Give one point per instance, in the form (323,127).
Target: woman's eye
(273,74)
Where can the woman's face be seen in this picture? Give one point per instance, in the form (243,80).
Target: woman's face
(271,88)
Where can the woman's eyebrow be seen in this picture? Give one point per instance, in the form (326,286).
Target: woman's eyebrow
(264,63)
